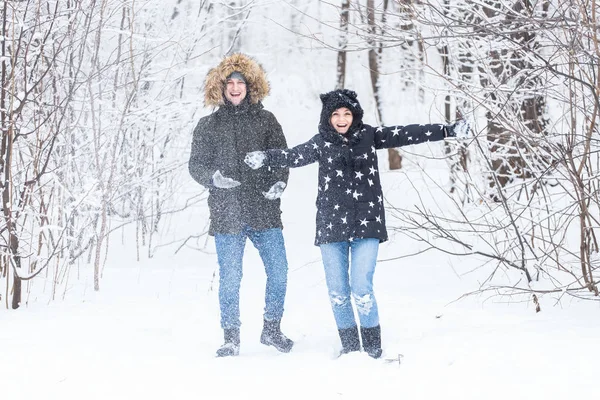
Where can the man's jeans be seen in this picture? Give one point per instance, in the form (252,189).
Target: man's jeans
(230,251)
(344,279)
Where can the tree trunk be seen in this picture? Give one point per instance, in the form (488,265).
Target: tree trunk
(341,58)
(456,151)
(12,259)
(511,156)
(375,51)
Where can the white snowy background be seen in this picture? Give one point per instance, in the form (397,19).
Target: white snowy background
(152,329)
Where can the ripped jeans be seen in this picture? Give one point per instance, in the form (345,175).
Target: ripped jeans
(349,268)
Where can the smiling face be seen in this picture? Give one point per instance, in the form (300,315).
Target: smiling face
(235,91)
(341,119)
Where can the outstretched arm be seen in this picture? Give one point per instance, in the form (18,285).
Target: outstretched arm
(398,135)
(298,156)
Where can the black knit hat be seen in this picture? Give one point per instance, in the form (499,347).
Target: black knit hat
(338,99)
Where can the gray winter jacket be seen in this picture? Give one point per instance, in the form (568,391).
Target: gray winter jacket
(221,140)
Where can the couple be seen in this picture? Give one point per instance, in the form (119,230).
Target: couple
(240,154)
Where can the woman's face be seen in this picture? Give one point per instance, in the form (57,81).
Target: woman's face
(341,119)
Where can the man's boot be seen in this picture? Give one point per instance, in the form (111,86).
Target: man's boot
(350,340)
(231,347)
(272,336)
(371,339)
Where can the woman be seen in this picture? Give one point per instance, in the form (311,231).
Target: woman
(350,212)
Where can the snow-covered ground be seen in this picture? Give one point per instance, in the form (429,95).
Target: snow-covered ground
(152,330)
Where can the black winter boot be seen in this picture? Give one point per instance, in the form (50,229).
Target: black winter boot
(272,336)
(231,347)
(371,339)
(350,340)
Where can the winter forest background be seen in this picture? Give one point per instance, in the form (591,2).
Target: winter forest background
(485,288)
(99,99)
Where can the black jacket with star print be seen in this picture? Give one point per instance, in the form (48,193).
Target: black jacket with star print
(350,199)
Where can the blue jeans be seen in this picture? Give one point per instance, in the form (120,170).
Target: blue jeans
(230,251)
(344,280)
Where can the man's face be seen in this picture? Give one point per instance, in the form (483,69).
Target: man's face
(235,91)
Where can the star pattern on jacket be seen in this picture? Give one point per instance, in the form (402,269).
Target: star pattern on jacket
(370,158)
(349,199)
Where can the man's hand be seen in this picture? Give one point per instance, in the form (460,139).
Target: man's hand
(218,180)
(275,192)
(461,129)
(256,159)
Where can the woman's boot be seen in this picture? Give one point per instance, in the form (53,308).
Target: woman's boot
(371,339)
(350,340)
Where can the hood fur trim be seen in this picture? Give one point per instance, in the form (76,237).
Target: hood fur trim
(256,79)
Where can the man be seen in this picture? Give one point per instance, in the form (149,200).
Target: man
(243,203)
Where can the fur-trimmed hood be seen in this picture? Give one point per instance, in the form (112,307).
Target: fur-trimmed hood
(256,79)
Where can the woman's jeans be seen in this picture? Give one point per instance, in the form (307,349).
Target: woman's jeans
(349,268)
(230,251)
